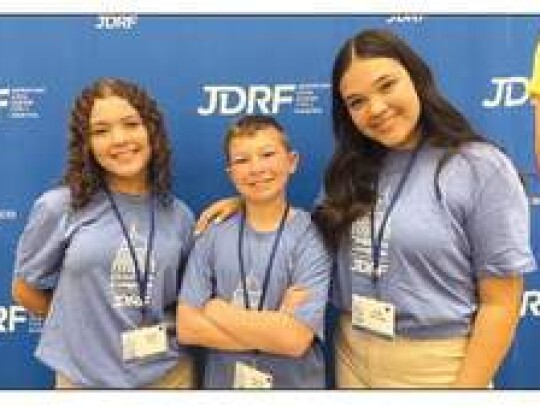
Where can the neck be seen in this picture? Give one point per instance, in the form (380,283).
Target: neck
(128,186)
(265,216)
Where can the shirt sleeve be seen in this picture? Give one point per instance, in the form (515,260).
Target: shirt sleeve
(534,82)
(311,270)
(41,247)
(499,224)
(197,282)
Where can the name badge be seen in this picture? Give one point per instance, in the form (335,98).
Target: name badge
(144,342)
(248,377)
(373,315)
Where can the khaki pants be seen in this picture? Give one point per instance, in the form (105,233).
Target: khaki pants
(179,377)
(365,360)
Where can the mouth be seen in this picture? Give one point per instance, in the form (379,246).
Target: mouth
(125,153)
(383,125)
(260,183)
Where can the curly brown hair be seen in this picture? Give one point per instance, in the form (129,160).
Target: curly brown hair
(83,175)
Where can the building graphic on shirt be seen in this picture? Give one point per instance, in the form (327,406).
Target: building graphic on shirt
(253,290)
(361,247)
(124,285)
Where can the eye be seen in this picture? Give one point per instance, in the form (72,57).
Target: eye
(356,103)
(98,132)
(387,86)
(238,160)
(132,124)
(268,154)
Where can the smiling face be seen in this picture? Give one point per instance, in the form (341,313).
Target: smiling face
(260,165)
(119,142)
(382,101)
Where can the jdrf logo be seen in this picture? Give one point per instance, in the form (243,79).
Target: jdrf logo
(110,22)
(4,97)
(531,304)
(230,100)
(508,92)
(10,317)
(405,18)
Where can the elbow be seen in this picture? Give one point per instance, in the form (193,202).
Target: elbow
(17,291)
(183,335)
(299,343)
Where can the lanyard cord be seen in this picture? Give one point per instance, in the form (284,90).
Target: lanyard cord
(142,277)
(376,238)
(270,259)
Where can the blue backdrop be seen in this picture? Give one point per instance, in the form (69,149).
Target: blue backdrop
(204,70)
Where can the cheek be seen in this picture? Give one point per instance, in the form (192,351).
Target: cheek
(147,148)
(358,119)
(235,178)
(411,101)
(96,150)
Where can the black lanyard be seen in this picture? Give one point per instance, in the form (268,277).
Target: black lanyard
(142,277)
(270,259)
(376,239)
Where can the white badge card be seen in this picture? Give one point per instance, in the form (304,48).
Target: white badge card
(373,315)
(248,377)
(144,342)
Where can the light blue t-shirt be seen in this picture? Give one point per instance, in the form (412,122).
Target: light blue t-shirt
(433,252)
(84,257)
(301,259)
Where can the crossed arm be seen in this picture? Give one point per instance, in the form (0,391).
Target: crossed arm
(224,326)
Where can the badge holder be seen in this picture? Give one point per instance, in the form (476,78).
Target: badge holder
(247,376)
(144,342)
(374,316)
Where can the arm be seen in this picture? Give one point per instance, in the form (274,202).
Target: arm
(217,212)
(35,300)
(194,328)
(493,330)
(275,332)
(289,331)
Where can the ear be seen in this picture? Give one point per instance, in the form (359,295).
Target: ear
(294,158)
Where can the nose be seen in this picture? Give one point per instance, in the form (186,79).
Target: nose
(118,135)
(376,107)
(256,165)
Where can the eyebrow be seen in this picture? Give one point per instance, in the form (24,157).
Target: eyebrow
(383,78)
(124,118)
(377,81)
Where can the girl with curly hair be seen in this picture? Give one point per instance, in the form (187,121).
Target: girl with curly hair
(100,256)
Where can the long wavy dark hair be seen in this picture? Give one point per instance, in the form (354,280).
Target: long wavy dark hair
(351,175)
(83,175)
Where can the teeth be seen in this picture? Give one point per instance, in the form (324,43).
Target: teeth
(123,153)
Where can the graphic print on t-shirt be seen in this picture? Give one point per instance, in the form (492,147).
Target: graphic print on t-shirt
(253,290)
(361,248)
(124,285)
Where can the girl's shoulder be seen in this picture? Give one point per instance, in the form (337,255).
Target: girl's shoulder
(56,200)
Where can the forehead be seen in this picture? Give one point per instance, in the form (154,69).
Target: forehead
(363,73)
(268,136)
(111,108)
